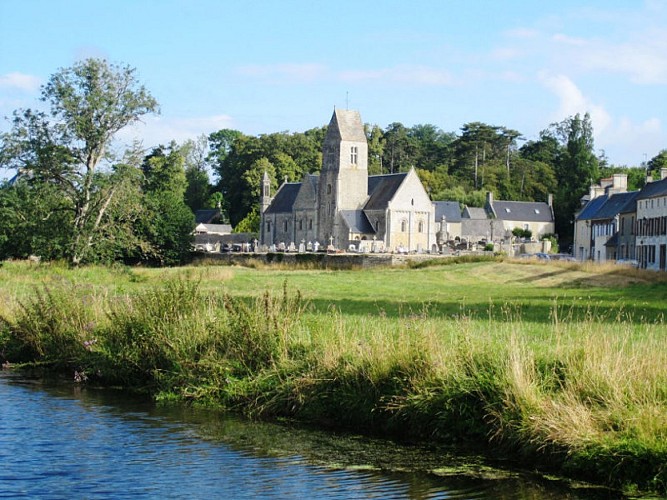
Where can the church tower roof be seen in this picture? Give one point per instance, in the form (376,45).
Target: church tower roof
(347,126)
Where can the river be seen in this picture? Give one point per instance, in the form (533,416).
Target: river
(60,440)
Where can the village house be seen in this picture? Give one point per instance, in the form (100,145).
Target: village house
(591,237)
(651,225)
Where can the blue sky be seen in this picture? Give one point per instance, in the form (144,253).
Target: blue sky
(269,66)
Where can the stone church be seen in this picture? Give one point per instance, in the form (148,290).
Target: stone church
(346,209)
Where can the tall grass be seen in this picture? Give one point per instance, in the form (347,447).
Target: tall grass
(589,396)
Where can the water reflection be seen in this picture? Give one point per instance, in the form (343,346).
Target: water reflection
(63,441)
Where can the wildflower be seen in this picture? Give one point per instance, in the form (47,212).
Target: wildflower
(88,344)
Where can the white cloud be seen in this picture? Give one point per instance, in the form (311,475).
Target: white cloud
(642,57)
(19,81)
(159,130)
(624,140)
(627,141)
(573,101)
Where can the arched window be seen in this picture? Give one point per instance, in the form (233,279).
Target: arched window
(420,227)
(328,188)
(300,224)
(404,226)
(285,225)
(268,226)
(310,224)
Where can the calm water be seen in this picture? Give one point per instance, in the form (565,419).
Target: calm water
(63,441)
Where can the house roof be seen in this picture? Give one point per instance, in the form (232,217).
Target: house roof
(382,189)
(284,199)
(591,208)
(474,213)
(450,209)
(614,205)
(207,215)
(653,189)
(357,222)
(529,211)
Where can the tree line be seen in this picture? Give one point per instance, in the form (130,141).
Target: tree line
(78,198)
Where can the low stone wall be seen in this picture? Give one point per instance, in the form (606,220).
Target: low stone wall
(323,260)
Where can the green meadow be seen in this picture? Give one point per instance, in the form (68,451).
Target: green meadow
(559,366)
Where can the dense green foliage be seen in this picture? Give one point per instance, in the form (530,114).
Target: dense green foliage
(582,393)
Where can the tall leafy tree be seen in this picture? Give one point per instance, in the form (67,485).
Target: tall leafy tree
(89,103)
(576,168)
(169,222)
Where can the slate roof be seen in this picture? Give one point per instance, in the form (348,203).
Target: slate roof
(450,209)
(206,216)
(357,221)
(614,205)
(381,189)
(284,199)
(529,211)
(653,189)
(591,208)
(474,213)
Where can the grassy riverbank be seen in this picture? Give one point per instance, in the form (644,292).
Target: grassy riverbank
(564,366)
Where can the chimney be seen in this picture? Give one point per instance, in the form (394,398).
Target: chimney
(489,198)
(663,173)
(620,183)
(550,200)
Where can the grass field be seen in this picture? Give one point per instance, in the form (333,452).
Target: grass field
(559,365)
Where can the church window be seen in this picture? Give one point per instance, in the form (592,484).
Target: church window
(421,226)
(310,224)
(268,226)
(353,155)
(404,226)
(285,225)
(300,224)
(328,188)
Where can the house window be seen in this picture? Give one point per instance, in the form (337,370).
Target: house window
(353,155)
(404,226)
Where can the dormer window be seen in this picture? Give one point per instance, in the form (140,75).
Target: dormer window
(354,153)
